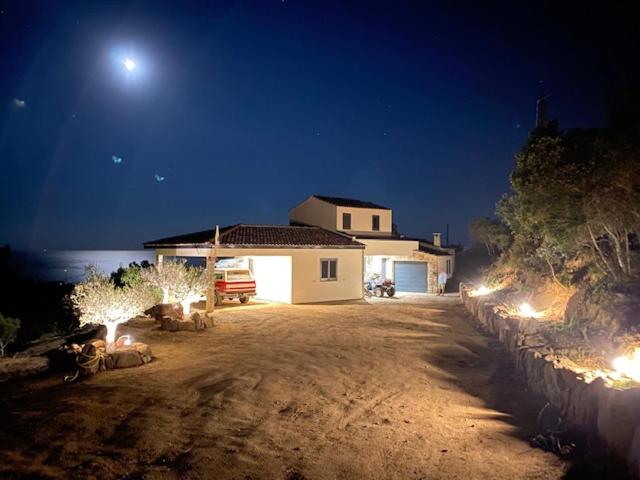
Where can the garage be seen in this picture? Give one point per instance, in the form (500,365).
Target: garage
(273,277)
(287,261)
(411,276)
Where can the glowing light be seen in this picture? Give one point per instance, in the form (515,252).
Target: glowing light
(111,331)
(129,64)
(629,365)
(527,311)
(481,290)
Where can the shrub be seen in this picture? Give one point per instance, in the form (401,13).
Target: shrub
(8,331)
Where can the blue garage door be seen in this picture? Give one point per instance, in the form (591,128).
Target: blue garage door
(411,276)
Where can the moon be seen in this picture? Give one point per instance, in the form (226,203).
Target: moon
(129,64)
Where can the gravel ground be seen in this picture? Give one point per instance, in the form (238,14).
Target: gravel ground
(401,388)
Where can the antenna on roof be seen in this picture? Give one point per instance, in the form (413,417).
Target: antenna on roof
(541,111)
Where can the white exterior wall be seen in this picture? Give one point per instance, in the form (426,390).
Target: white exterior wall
(315,212)
(361,221)
(442,264)
(326,215)
(400,248)
(305,286)
(273,276)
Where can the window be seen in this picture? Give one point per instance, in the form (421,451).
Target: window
(375,223)
(328,269)
(238,275)
(449,266)
(346,221)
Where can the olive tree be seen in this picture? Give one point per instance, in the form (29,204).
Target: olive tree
(99,301)
(8,331)
(165,277)
(183,283)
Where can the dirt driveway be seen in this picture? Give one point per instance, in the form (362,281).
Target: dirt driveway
(399,388)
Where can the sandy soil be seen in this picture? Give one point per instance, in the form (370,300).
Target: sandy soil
(395,389)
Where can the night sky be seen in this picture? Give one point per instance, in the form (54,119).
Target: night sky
(237,110)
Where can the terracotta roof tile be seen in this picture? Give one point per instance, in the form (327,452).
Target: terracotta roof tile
(244,236)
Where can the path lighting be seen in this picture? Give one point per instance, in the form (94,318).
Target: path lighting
(629,365)
(481,290)
(527,311)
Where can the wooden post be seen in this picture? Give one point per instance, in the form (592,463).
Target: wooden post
(211,299)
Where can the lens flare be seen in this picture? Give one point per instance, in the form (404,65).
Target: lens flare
(629,365)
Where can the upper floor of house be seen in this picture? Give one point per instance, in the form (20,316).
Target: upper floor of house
(354,217)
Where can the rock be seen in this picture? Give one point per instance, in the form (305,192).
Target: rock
(208,321)
(634,454)
(20,367)
(108,362)
(169,324)
(186,325)
(618,419)
(161,310)
(98,343)
(142,348)
(126,358)
(50,344)
(202,321)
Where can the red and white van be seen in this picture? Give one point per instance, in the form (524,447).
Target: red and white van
(234,283)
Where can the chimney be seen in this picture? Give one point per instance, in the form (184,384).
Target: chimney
(437,242)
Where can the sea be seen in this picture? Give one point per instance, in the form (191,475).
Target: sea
(69,266)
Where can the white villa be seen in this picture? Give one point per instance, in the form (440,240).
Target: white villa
(331,245)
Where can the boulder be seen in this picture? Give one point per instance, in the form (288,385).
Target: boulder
(126,358)
(162,310)
(142,348)
(169,324)
(618,419)
(202,321)
(634,454)
(19,367)
(186,325)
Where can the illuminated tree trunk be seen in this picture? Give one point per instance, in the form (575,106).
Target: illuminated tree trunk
(165,295)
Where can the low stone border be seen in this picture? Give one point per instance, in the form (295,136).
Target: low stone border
(195,322)
(612,414)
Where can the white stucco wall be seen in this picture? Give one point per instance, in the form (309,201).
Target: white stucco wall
(442,264)
(361,221)
(306,286)
(399,248)
(315,212)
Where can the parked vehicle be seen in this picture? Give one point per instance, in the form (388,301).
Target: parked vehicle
(378,286)
(234,283)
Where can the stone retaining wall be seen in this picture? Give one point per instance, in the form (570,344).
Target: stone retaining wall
(612,414)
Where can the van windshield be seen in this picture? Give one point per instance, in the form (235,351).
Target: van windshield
(235,275)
